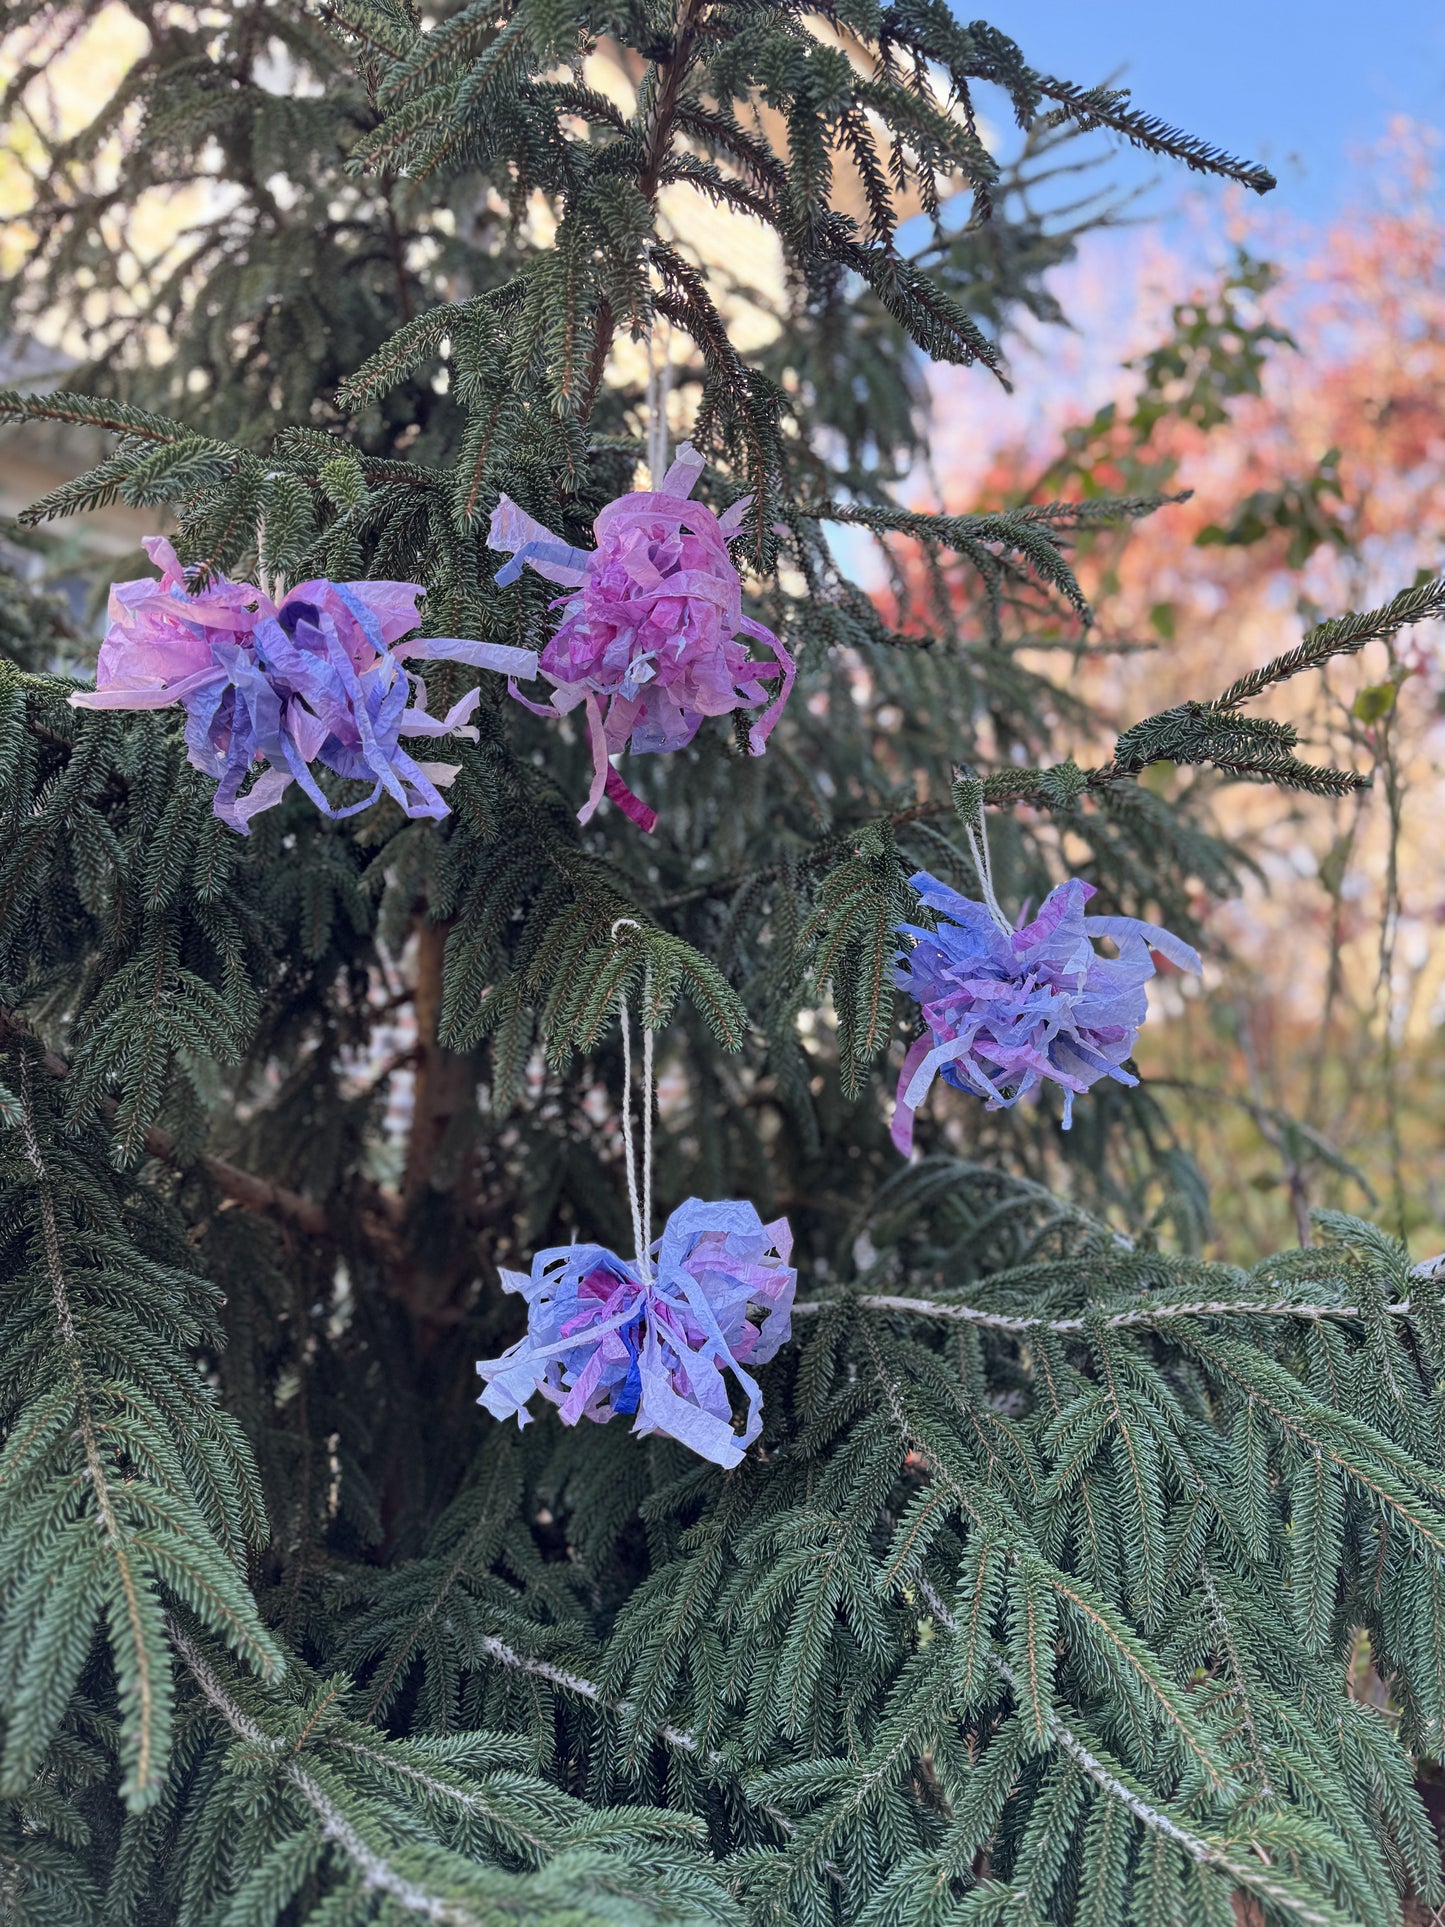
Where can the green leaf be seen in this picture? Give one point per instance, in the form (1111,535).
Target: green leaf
(1374,703)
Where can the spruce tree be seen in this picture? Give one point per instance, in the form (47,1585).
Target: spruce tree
(1042,1594)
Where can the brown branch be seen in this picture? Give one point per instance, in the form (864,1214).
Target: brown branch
(243,1188)
(246,1189)
(672,72)
(396,254)
(657,141)
(445,1082)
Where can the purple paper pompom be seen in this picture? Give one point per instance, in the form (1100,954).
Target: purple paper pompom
(601,1340)
(316,677)
(1005,1011)
(649,638)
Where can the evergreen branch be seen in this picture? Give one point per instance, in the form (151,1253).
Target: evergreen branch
(1260,749)
(1252,1875)
(1345,1442)
(687,170)
(1103,1775)
(674,1736)
(459,36)
(1107,510)
(980,51)
(1092,107)
(149,1699)
(81,411)
(663,95)
(1150,1317)
(678,1738)
(1017,530)
(251,1192)
(1247,747)
(1341,636)
(377,1873)
(385,30)
(382,1692)
(716,128)
(152,1534)
(576,98)
(940,325)
(97,488)
(1124,1648)
(417,342)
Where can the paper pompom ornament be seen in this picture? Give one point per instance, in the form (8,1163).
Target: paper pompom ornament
(315,677)
(1008,1009)
(604,1339)
(649,638)
(653,1338)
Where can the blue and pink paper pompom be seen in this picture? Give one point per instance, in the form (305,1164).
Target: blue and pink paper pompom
(1008,1010)
(649,639)
(277,686)
(608,1338)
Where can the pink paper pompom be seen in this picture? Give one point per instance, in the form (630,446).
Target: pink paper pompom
(650,637)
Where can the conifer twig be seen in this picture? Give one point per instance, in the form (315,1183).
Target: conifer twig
(115,1534)
(1145,1315)
(1342,635)
(1250,1875)
(656,143)
(676,1737)
(377,1873)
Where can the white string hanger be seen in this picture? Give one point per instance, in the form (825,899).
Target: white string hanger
(639,1198)
(659,387)
(983,862)
(982,857)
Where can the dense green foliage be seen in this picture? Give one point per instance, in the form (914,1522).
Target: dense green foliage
(1038,1600)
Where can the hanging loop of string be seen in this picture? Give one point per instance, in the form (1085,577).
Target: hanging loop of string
(983,863)
(639,1196)
(977,835)
(659,386)
(270,582)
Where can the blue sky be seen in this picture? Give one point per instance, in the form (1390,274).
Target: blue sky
(1297,84)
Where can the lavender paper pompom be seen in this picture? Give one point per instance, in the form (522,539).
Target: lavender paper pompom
(649,639)
(313,678)
(603,1341)
(1007,1011)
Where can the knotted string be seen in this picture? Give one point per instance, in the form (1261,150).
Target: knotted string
(639,1199)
